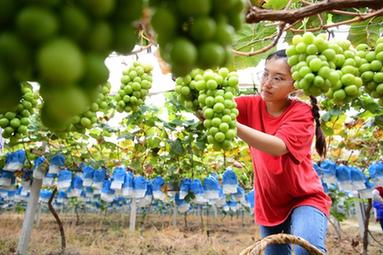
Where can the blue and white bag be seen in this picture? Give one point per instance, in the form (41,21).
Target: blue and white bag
(39,168)
(140,186)
(107,194)
(157,184)
(127,187)
(64,179)
(118,178)
(87,174)
(14,161)
(56,163)
(98,179)
(229,182)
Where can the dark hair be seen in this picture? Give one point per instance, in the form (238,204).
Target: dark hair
(277,54)
(320,141)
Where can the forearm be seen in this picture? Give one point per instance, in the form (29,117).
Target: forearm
(261,141)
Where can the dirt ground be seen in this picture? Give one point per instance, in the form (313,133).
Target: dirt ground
(103,235)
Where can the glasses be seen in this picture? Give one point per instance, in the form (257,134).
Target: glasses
(273,80)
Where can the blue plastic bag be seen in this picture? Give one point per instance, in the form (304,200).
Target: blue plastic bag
(182,205)
(157,184)
(49,179)
(7,179)
(211,187)
(139,186)
(45,195)
(118,178)
(107,194)
(88,174)
(229,181)
(250,198)
(98,178)
(56,162)
(328,168)
(64,179)
(127,187)
(199,194)
(358,178)
(185,187)
(14,161)
(343,176)
(39,168)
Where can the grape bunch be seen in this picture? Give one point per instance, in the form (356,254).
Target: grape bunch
(15,124)
(371,71)
(196,33)
(322,67)
(213,93)
(86,120)
(187,93)
(135,84)
(216,98)
(62,46)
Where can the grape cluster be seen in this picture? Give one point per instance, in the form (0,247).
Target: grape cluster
(371,71)
(62,45)
(187,93)
(86,120)
(135,84)
(15,124)
(196,33)
(213,92)
(325,67)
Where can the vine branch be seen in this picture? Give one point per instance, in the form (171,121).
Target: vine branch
(58,221)
(268,47)
(256,14)
(345,22)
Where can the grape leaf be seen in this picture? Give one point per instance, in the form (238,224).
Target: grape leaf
(275,4)
(379,121)
(341,17)
(367,31)
(249,39)
(176,147)
(257,3)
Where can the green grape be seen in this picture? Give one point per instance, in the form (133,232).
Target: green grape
(135,84)
(212,92)
(332,68)
(196,33)
(14,122)
(62,46)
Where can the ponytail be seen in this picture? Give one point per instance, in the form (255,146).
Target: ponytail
(320,141)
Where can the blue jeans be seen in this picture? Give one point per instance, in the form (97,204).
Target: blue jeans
(304,221)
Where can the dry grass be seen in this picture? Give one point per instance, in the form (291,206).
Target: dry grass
(100,235)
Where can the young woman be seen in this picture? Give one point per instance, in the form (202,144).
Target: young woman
(279,131)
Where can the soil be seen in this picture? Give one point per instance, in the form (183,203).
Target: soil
(97,234)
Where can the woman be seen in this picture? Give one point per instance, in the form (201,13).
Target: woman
(377,197)
(279,130)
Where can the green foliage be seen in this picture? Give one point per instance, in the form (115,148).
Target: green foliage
(341,204)
(379,121)
(251,38)
(275,4)
(367,31)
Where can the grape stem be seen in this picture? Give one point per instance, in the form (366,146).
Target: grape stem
(358,18)
(256,14)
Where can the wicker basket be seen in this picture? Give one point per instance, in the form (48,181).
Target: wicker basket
(259,247)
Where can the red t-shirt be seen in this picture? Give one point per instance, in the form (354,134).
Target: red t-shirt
(283,182)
